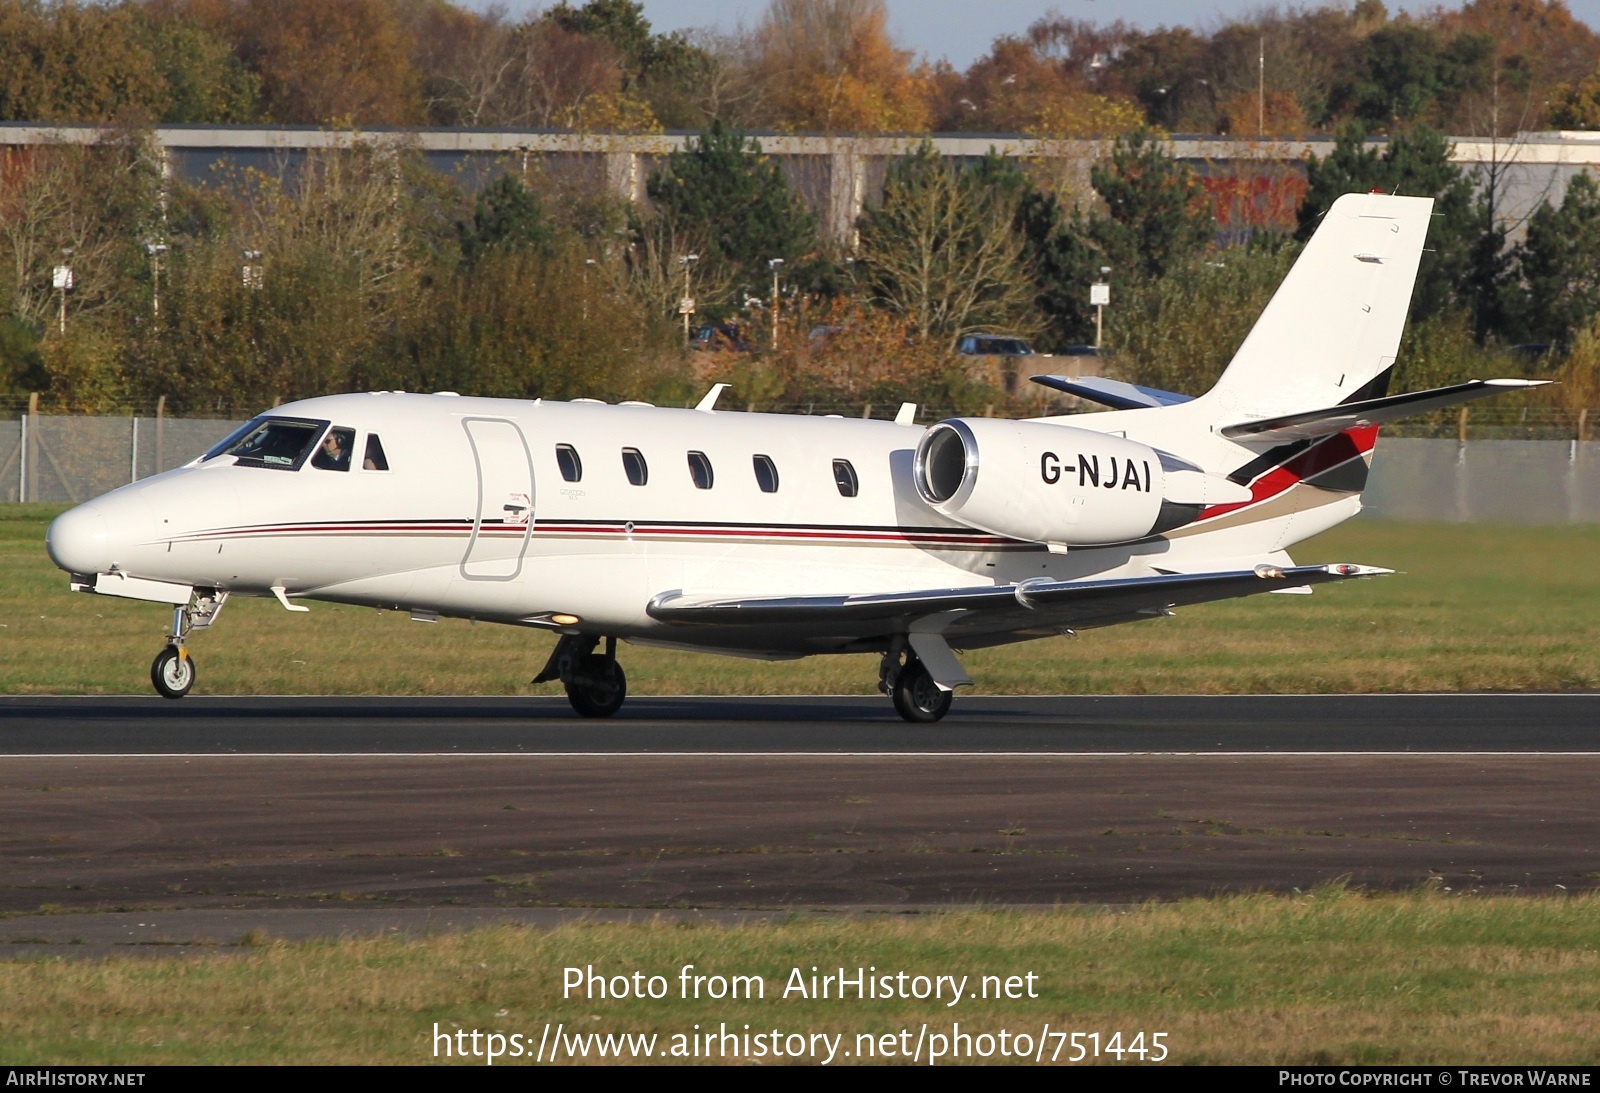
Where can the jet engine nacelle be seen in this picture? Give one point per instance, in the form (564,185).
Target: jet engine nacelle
(1058,484)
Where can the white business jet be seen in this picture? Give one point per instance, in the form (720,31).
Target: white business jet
(779,537)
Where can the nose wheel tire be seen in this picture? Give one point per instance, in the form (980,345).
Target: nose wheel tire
(598,688)
(172,673)
(917,697)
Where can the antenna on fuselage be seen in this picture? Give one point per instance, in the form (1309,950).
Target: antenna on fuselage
(708,404)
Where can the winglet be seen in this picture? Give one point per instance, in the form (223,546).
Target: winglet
(708,404)
(907,414)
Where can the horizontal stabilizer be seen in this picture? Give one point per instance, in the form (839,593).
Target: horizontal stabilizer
(1112,393)
(1336,419)
(987,608)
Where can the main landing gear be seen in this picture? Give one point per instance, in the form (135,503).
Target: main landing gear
(172,673)
(596,685)
(905,679)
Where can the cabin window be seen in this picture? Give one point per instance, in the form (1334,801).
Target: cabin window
(844,476)
(766,473)
(700,470)
(374,459)
(277,442)
(333,454)
(571,466)
(633,463)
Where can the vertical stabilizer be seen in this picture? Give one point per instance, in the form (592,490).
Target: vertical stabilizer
(1332,330)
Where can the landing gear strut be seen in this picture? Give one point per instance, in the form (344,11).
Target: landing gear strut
(596,685)
(905,679)
(172,673)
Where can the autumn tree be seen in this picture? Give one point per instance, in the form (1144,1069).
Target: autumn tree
(322,61)
(1017,89)
(830,66)
(76,62)
(1537,45)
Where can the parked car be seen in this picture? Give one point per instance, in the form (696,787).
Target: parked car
(820,336)
(720,337)
(993,345)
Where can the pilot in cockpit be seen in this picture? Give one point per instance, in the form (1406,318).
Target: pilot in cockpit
(334,454)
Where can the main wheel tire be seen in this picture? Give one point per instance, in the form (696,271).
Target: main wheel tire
(172,674)
(917,697)
(599,687)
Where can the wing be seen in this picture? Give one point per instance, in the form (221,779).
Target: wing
(1113,393)
(1034,605)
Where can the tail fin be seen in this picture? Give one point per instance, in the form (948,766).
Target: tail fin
(1331,332)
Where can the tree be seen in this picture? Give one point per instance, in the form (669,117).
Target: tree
(206,82)
(347,61)
(738,204)
(1560,263)
(830,66)
(506,216)
(1158,209)
(1576,105)
(76,62)
(942,249)
(662,70)
(1017,89)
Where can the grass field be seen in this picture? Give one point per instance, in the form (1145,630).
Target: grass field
(1474,607)
(1331,976)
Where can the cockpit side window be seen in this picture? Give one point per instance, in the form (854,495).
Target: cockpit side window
(333,454)
(280,443)
(844,476)
(374,459)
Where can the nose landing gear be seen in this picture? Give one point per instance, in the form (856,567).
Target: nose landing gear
(172,673)
(596,685)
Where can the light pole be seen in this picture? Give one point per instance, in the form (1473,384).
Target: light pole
(686,305)
(61,280)
(1099,297)
(155,250)
(588,264)
(775,265)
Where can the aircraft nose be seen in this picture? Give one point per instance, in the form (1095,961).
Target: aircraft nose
(79,542)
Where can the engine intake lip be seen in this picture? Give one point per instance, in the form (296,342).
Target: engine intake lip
(946,465)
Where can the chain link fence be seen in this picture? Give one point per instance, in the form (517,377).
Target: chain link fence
(49,457)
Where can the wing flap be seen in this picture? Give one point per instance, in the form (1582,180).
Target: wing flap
(1019,606)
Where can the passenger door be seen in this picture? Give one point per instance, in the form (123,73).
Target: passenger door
(504,521)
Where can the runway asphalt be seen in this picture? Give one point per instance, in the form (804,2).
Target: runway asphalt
(132,824)
(827,725)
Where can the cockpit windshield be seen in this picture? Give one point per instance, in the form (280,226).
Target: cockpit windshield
(281,443)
